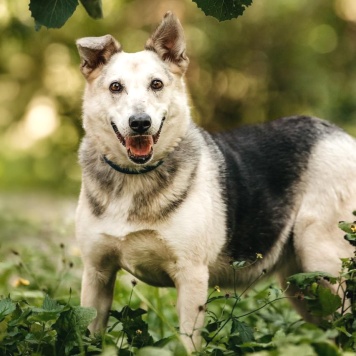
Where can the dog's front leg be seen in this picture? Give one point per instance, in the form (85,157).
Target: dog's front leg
(97,291)
(192,288)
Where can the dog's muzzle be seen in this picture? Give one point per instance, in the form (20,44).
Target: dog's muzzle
(139,146)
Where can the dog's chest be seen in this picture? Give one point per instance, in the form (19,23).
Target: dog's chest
(147,256)
(140,246)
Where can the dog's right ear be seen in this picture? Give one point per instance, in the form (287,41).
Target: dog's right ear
(95,52)
(169,43)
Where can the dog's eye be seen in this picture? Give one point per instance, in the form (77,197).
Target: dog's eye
(156,84)
(116,87)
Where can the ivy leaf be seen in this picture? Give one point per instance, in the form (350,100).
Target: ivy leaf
(52,13)
(223,9)
(93,8)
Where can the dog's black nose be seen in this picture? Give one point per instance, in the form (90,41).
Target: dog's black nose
(140,123)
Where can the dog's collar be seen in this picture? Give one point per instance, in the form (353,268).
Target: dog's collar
(144,169)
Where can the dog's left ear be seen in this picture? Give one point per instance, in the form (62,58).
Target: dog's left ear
(169,43)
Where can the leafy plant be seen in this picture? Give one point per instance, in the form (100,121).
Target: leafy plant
(53,328)
(41,318)
(258,323)
(55,13)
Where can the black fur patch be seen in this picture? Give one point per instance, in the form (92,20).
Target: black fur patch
(101,180)
(263,166)
(97,207)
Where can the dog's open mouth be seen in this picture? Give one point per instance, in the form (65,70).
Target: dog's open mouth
(139,147)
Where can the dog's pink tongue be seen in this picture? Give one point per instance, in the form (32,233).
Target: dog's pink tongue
(139,145)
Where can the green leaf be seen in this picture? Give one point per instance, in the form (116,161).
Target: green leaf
(82,317)
(165,341)
(303,280)
(350,229)
(351,238)
(326,349)
(223,9)
(43,317)
(325,303)
(7,306)
(50,304)
(52,13)
(20,316)
(49,311)
(347,227)
(343,330)
(137,333)
(70,325)
(127,313)
(245,331)
(213,326)
(93,8)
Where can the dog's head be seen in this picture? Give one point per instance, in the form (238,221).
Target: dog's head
(135,107)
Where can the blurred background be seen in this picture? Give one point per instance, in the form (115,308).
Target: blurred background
(280,58)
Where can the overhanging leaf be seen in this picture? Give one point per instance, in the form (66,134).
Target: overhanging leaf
(93,8)
(52,13)
(223,9)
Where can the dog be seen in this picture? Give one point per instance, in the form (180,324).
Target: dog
(173,204)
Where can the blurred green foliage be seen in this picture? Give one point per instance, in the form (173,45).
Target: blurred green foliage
(280,58)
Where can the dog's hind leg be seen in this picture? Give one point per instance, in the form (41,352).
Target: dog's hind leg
(293,292)
(328,193)
(318,247)
(192,288)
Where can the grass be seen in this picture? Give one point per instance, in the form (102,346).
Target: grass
(39,258)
